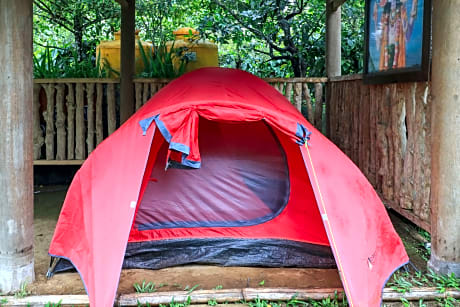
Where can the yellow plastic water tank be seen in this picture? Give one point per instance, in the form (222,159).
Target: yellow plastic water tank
(110,51)
(199,52)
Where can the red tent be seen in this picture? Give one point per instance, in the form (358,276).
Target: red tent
(219,160)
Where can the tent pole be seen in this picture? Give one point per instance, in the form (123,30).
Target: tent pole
(445,164)
(16,147)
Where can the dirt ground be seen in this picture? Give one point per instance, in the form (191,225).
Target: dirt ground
(48,202)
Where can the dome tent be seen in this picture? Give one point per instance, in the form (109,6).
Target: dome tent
(219,163)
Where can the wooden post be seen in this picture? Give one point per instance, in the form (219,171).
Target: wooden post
(90,116)
(60,123)
(445,148)
(128,12)
(38,133)
(16,146)
(333,47)
(333,38)
(70,104)
(80,148)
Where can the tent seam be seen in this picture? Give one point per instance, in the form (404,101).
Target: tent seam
(326,221)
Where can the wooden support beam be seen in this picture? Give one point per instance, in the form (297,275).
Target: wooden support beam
(445,148)
(335,4)
(333,39)
(16,145)
(127,69)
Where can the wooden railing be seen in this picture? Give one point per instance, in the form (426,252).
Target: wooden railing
(386,131)
(72,116)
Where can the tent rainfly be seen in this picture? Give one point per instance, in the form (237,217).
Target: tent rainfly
(220,164)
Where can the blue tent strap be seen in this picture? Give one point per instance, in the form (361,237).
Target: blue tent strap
(302,134)
(145,124)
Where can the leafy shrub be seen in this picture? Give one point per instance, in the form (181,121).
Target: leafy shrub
(159,62)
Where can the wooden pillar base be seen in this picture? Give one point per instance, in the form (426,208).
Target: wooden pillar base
(16,270)
(443,267)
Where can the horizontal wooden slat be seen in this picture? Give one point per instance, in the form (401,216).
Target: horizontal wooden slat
(408,214)
(152,80)
(295,80)
(77,80)
(58,162)
(42,300)
(346,78)
(165,80)
(227,295)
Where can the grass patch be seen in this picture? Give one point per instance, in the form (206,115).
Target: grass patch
(22,292)
(145,287)
(192,289)
(294,302)
(212,302)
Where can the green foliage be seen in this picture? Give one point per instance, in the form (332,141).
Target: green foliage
(403,282)
(212,302)
(218,287)
(282,38)
(46,66)
(74,24)
(22,292)
(3,301)
(425,234)
(50,304)
(443,282)
(448,302)
(159,62)
(262,283)
(192,289)
(57,63)
(352,37)
(294,302)
(269,38)
(176,304)
(145,287)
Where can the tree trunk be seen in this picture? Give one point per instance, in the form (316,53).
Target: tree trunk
(299,66)
(78,34)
